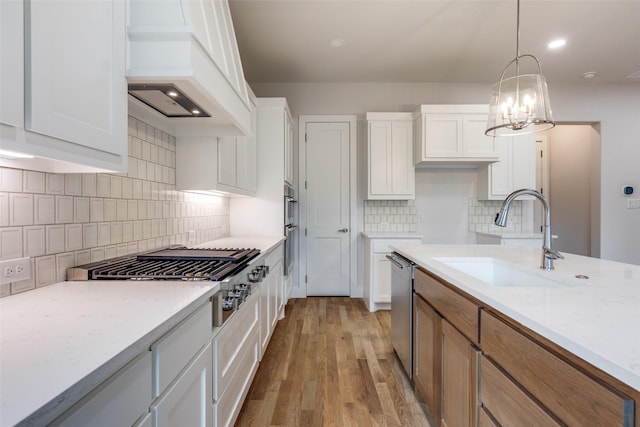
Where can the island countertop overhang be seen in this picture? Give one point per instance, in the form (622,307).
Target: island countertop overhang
(592,318)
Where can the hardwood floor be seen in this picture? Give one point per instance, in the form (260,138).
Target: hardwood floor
(330,363)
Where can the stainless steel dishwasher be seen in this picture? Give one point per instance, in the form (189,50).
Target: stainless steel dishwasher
(402,310)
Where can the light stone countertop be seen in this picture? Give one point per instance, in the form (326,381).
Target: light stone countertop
(390,235)
(596,319)
(60,341)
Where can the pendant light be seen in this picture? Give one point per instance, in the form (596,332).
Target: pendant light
(519,104)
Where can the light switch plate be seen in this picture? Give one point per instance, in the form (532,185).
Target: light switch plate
(15,270)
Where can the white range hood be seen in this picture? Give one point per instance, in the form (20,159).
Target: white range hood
(183,64)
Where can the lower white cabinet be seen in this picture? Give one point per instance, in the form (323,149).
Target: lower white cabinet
(377,269)
(187,401)
(272,297)
(517,239)
(235,361)
(120,401)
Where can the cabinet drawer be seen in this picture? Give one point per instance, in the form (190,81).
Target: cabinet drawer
(458,310)
(233,342)
(119,401)
(567,392)
(508,404)
(228,405)
(174,351)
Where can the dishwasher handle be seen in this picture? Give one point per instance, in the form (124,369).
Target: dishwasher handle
(394,261)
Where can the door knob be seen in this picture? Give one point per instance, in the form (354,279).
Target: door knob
(344,230)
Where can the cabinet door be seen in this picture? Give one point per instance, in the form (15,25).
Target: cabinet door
(402,169)
(501,172)
(288,148)
(12,63)
(381,277)
(523,158)
(442,135)
(427,358)
(246,163)
(75,83)
(460,361)
(379,155)
(187,402)
(227,160)
(476,143)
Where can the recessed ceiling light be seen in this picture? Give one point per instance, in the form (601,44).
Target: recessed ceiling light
(556,44)
(589,75)
(172,93)
(337,43)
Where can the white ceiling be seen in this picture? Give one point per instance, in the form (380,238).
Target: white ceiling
(433,40)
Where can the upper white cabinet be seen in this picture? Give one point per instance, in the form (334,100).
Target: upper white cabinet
(223,164)
(515,170)
(63,85)
(453,134)
(391,173)
(190,44)
(288,148)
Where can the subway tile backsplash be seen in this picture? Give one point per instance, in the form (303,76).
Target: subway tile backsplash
(63,220)
(482,214)
(390,215)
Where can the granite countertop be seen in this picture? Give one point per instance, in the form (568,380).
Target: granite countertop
(595,318)
(60,341)
(390,235)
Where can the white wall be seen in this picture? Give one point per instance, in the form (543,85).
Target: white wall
(569,189)
(615,107)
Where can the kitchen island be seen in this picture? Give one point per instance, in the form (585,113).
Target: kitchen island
(585,312)
(60,342)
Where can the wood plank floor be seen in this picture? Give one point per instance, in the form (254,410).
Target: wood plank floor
(330,363)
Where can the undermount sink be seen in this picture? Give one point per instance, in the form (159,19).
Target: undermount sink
(497,272)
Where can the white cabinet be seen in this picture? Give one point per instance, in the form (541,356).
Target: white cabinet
(452,135)
(390,173)
(272,297)
(377,269)
(515,170)
(288,148)
(64,91)
(218,163)
(187,401)
(235,361)
(119,401)
(510,239)
(182,372)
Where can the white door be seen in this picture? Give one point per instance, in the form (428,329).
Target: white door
(328,233)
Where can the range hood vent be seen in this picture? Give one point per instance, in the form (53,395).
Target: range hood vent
(188,47)
(167,100)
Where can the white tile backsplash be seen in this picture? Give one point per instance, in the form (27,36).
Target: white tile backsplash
(64,209)
(20,209)
(10,180)
(390,215)
(34,241)
(55,183)
(62,220)
(10,243)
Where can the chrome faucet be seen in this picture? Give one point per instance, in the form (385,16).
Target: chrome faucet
(548,254)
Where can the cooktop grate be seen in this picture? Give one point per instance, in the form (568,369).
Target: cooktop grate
(169,264)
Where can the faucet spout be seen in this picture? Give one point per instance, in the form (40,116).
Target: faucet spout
(548,254)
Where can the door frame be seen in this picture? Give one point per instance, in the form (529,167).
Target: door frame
(354,290)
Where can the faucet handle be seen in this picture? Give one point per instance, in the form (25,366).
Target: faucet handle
(552,254)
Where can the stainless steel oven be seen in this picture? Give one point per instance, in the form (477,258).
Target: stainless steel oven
(290,228)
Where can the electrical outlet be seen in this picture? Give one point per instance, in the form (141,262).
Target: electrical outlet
(632,203)
(191,238)
(384,226)
(15,270)
(420,216)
